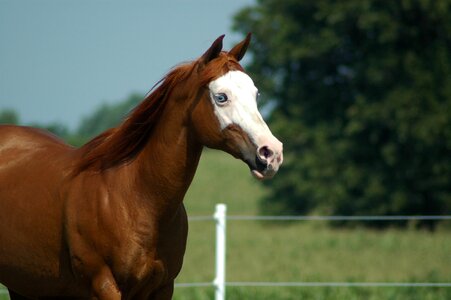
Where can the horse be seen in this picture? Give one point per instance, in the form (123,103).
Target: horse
(106,220)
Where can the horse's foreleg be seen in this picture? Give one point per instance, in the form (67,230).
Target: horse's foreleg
(104,286)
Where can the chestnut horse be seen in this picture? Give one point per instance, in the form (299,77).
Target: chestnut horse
(106,220)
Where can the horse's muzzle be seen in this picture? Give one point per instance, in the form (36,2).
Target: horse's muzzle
(268,159)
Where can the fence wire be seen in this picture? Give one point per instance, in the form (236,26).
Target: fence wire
(337,218)
(324,218)
(315,284)
(338,284)
(194,284)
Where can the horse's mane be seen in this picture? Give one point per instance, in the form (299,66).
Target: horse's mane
(123,143)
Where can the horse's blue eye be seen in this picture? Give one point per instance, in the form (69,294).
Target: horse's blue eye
(221,98)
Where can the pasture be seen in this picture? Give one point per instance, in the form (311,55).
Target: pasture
(301,251)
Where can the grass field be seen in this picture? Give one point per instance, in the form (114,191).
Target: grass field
(302,251)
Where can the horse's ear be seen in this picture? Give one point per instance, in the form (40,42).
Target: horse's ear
(213,51)
(240,49)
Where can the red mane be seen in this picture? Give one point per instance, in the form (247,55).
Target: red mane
(122,144)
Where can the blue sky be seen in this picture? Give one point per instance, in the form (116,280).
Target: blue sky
(61,59)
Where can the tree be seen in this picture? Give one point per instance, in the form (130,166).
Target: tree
(107,116)
(362,96)
(9,116)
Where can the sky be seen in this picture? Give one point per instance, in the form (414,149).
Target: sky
(61,59)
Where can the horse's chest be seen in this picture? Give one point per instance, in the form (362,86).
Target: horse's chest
(145,279)
(146,269)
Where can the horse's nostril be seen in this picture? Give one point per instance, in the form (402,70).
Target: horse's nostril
(265,152)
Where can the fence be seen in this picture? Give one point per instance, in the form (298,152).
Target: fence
(219,283)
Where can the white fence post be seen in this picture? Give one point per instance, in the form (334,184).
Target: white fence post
(219,282)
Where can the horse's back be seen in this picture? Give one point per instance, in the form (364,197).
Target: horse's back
(33,167)
(21,145)
(20,136)
(29,157)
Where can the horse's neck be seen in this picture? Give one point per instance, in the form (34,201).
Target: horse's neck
(166,166)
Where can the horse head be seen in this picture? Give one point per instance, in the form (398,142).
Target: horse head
(226,116)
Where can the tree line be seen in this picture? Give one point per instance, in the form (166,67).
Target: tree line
(362,97)
(104,117)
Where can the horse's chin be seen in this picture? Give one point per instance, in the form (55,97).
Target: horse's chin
(257,175)
(260,170)
(262,175)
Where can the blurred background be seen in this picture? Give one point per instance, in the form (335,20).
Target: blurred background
(359,91)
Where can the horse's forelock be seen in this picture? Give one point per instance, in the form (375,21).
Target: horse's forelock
(218,67)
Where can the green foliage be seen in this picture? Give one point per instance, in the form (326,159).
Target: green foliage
(107,116)
(104,117)
(363,103)
(9,116)
(56,128)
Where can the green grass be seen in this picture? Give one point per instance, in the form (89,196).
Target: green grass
(3,296)
(314,253)
(221,178)
(302,251)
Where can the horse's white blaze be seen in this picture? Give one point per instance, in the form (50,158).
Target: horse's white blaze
(241,108)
